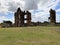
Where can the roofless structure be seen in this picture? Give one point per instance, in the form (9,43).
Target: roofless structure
(52,16)
(22,18)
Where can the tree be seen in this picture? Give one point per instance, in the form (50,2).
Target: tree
(7,24)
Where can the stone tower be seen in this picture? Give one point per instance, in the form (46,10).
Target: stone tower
(28,17)
(52,16)
(20,18)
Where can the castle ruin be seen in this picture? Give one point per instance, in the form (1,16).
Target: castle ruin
(22,18)
(52,16)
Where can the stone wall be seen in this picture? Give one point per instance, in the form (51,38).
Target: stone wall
(19,18)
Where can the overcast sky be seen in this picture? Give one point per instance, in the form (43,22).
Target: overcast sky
(38,8)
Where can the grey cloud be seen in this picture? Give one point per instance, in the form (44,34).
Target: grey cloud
(13,6)
(31,4)
(0,4)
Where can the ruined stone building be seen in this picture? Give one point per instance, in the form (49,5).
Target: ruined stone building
(52,16)
(22,18)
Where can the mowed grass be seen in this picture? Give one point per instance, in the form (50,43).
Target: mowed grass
(39,35)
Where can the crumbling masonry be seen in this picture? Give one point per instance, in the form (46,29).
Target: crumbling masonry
(22,18)
(52,16)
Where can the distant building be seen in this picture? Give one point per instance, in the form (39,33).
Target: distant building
(52,16)
(22,18)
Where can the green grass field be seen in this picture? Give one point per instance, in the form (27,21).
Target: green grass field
(39,35)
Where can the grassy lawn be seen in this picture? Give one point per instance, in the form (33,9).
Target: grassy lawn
(39,35)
